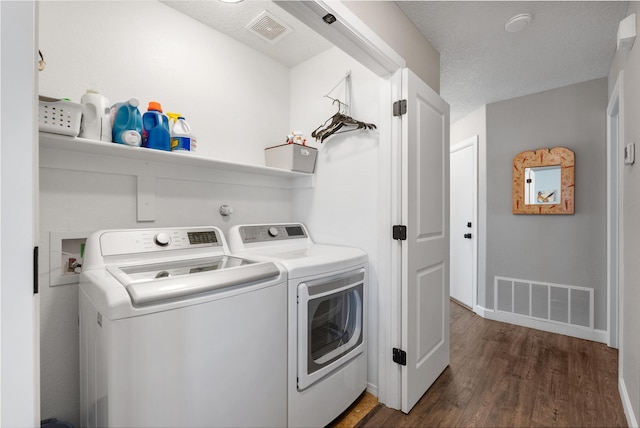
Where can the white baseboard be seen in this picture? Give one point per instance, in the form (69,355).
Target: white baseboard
(565,329)
(481,310)
(372,389)
(632,420)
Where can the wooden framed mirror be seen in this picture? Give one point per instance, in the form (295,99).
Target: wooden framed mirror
(543,181)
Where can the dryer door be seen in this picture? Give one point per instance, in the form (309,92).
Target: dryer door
(330,324)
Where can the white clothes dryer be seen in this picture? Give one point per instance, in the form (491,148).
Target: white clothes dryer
(175,332)
(327,291)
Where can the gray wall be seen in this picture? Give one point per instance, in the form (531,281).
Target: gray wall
(629,368)
(391,24)
(562,249)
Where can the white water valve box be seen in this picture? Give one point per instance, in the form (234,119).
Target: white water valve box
(294,157)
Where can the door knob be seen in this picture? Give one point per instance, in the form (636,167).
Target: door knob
(467,236)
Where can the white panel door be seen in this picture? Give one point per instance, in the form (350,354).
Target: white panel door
(425,253)
(463,220)
(19,306)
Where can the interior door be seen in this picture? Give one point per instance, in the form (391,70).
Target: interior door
(425,252)
(463,220)
(19,306)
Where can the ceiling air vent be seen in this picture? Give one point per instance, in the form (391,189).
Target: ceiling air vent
(268,27)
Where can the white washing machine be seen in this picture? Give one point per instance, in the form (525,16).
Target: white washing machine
(327,317)
(174,332)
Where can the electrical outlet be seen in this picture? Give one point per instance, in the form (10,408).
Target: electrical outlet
(65,256)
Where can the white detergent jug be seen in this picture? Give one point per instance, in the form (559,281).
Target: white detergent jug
(96,117)
(180,133)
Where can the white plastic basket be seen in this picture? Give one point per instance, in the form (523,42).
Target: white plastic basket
(59,117)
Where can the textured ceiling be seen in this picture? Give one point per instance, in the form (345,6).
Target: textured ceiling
(567,42)
(231,19)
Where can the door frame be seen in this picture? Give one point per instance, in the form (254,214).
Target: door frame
(473,143)
(390,280)
(615,191)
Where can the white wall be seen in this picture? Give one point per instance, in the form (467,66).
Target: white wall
(236,100)
(342,208)
(80,201)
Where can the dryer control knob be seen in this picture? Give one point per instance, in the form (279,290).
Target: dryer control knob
(273,231)
(162,239)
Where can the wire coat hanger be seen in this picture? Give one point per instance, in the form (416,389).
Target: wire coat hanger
(336,123)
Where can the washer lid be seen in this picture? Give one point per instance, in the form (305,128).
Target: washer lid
(154,282)
(306,260)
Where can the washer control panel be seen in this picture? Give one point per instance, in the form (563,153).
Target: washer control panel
(276,232)
(134,241)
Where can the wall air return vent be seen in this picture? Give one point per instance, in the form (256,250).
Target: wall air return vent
(268,27)
(556,303)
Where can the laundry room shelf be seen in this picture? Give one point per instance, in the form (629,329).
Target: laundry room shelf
(79,154)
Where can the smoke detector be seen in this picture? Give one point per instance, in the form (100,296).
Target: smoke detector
(268,27)
(518,23)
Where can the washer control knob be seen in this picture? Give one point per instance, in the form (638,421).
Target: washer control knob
(162,239)
(273,231)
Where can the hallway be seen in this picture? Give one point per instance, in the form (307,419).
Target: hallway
(505,375)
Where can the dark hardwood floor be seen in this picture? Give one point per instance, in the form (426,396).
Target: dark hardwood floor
(502,375)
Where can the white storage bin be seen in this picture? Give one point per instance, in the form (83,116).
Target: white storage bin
(294,157)
(59,116)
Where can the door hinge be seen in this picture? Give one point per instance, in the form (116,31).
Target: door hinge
(36,286)
(400,107)
(399,356)
(400,232)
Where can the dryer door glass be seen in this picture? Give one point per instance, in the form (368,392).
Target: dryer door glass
(334,326)
(330,324)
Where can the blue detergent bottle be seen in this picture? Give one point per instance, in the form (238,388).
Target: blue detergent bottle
(155,128)
(127,122)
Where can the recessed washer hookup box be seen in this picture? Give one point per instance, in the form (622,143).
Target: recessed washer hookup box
(294,157)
